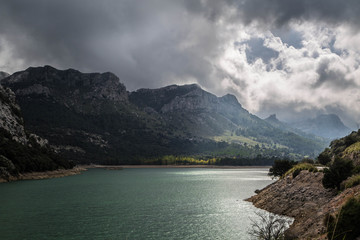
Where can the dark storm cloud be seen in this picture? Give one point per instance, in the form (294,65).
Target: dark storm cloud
(281,12)
(152,43)
(332,77)
(256,49)
(138,39)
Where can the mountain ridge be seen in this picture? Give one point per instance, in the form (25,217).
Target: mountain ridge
(328,126)
(91,116)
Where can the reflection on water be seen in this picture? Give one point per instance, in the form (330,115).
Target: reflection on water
(178,203)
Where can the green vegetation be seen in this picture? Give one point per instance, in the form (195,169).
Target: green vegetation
(325,157)
(345,225)
(343,161)
(272,136)
(299,167)
(221,161)
(338,171)
(355,147)
(350,182)
(339,147)
(280,167)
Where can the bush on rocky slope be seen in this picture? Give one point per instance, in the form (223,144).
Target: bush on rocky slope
(345,225)
(338,171)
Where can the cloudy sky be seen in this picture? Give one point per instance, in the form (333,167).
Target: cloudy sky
(295,58)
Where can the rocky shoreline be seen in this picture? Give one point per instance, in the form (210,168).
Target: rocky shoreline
(45,175)
(304,199)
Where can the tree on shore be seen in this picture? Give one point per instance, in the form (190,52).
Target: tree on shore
(268,226)
(280,167)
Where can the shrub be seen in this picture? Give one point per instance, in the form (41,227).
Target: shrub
(345,225)
(338,171)
(269,226)
(299,167)
(280,167)
(307,160)
(350,182)
(324,157)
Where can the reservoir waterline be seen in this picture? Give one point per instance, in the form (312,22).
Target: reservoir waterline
(144,203)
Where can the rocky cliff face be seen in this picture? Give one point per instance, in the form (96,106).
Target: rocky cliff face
(186,98)
(88,117)
(10,116)
(92,118)
(305,199)
(20,151)
(195,110)
(83,92)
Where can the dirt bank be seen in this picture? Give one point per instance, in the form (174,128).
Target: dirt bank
(306,200)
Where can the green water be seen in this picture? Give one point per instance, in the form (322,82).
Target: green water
(132,204)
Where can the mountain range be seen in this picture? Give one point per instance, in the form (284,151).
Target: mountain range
(91,117)
(328,126)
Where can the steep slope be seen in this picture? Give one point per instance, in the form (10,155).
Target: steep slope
(274,121)
(11,120)
(221,118)
(347,147)
(305,199)
(21,152)
(192,108)
(328,126)
(88,118)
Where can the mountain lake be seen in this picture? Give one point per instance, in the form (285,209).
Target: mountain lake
(141,203)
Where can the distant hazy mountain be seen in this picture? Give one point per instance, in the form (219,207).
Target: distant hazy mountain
(221,118)
(328,126)
(273,120)
(90,117)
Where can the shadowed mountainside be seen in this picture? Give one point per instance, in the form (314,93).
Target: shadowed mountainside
(91,117)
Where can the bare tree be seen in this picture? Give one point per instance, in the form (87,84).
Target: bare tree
(268,226)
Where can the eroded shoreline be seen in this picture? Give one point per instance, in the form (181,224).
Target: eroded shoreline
(46,175)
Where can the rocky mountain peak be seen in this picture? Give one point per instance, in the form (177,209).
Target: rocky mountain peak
(272,118)
(69,87)
(231,99)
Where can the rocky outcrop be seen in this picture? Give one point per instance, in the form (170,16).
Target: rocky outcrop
(10,116)
(197,111)
(72,88)
(21,151)
(306,200)
(87,116)
(45,175)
